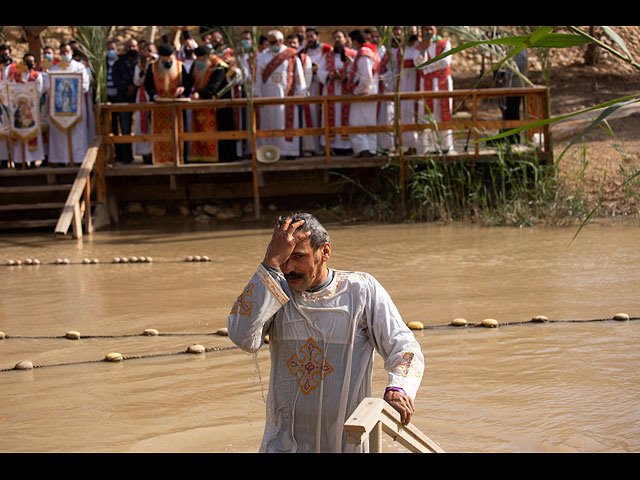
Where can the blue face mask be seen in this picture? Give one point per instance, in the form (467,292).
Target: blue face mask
(246,44)
(201,64)
(275,48)
(111,54)
(48,57)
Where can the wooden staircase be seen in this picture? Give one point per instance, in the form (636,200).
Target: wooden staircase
(34,198)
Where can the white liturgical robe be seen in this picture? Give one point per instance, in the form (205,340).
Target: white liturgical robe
(279,81)
(322,345)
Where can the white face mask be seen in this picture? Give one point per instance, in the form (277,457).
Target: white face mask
(67,57)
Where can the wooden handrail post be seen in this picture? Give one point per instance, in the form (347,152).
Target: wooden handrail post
(374,416)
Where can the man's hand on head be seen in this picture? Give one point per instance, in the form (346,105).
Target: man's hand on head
(283,241)
(402,403)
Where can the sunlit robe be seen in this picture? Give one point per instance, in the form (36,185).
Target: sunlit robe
(364,77)
(322,345)
(275,84)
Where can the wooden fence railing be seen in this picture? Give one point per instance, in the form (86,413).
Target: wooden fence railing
(373,417)
(536,101)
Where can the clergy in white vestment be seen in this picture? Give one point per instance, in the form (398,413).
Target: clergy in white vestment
(58,139)
(279,74)
(363,79)
(410,82)
(142,118)
(308,144)
(324,327)
(315,50)
(333,75)
(436,77)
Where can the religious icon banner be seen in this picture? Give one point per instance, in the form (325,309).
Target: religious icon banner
(65,99)
(24,110)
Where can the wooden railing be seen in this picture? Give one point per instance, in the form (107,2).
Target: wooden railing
(77,209)
(535,101)
(375,416)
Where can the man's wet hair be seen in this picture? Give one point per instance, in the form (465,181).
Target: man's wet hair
(319,235)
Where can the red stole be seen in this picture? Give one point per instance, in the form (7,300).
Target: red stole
(367,50)
(162,118)
(287,54)
(345,107)
(443,84)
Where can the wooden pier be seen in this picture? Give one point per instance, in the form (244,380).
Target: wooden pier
(77,196)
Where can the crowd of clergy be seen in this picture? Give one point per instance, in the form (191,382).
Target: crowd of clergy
(282,64)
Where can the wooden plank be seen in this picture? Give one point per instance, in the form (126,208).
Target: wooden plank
(11,224)
(31,206)
(36,188)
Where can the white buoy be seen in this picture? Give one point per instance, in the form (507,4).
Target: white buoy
(24,365)
(539,319)
(621,317)
(72,335)
(489,323)
(2,335)
(151,332)
(113,357)
(189,258)
(195,349)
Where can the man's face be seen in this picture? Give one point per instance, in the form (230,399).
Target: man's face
(305,268)
(339,39)
(132,45)
(428,32)
(217,38)
(375,37)
(274,42)
(311,37)
(293,42)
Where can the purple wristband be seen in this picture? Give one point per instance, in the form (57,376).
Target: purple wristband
(395,389)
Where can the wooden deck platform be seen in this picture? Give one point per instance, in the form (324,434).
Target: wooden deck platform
(33,197)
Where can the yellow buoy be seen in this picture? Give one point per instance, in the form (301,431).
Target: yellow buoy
(223,331)
(151,332)
(539,319)
(621,317)
(72,335)
(113,357)
(489,322)
(266,339)
(415,325)
(459,322)
(24,365)
(2,335)
(195,349)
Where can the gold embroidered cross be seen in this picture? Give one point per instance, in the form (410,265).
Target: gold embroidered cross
(309,366)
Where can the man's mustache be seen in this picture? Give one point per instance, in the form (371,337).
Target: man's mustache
(293,276)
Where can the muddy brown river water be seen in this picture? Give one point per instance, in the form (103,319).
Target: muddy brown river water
(522,387)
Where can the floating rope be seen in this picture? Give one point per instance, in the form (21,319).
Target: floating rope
(94,261)
(199,349)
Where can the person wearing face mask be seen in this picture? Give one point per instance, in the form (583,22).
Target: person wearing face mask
(141,118)
(123,79)
(332,75)
(209,78)
(32,149)
(279,73)
(166,79)
(241,74)
(315,50)
(59,152)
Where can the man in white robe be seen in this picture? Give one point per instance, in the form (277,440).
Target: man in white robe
(279,74)
(58,140)
(436,77)
(410,82)
(324,326)
(315,50)
(363,79)
(333,75)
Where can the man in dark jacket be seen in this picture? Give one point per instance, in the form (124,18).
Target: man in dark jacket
(122,75)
